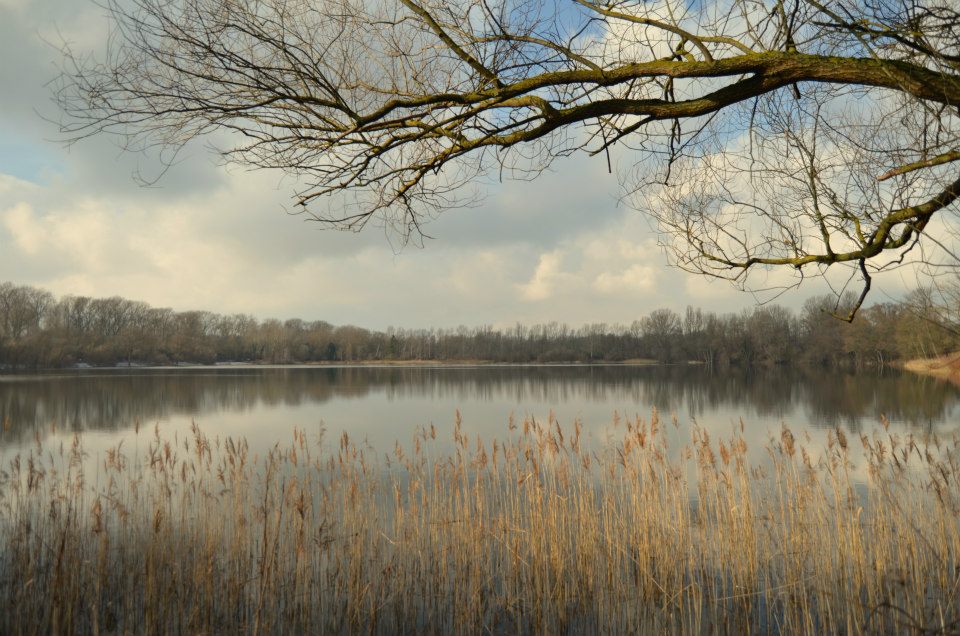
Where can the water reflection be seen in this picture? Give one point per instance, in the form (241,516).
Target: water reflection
(113,400)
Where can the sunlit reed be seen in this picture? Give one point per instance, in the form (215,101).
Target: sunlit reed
(541,531)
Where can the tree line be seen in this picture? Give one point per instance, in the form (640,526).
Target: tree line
(38,330)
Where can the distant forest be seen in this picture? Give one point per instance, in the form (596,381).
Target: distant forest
(38,330)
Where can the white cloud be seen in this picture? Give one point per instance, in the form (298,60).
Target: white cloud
(21,225)
(598,264)
(546,278)
(634,279)
(10,185)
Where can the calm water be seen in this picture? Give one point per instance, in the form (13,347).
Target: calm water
(387,404)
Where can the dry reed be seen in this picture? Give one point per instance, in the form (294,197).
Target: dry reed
(544,531)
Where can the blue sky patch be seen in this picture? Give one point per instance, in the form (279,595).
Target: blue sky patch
(33,161)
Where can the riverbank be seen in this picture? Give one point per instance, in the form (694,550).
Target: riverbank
(456,362)
(416,362)
(946,367)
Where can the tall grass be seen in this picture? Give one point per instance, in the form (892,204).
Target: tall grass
(544,531)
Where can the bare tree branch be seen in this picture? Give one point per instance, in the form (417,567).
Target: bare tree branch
(756,127)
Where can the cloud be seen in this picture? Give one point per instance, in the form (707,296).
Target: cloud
(634,279)
(20,224)
(546,278)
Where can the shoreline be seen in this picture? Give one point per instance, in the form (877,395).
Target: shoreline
(946,367)
(415,363)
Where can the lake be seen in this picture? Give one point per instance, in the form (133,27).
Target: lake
(383,405)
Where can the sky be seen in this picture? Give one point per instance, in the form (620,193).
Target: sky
(75,220)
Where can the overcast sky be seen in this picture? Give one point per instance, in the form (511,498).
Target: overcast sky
(75,221)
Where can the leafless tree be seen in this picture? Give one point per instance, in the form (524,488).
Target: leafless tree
(787,134)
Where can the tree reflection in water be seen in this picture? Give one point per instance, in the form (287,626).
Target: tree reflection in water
(113,400)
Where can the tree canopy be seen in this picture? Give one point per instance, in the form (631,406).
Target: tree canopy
(761,134)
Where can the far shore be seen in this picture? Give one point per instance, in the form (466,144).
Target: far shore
(419,363)
(946,367)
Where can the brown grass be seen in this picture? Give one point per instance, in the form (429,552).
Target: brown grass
(947,367)
(540,533)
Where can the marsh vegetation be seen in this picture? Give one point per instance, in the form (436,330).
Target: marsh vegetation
(544,529)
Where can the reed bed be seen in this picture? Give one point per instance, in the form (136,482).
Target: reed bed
(542,531)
